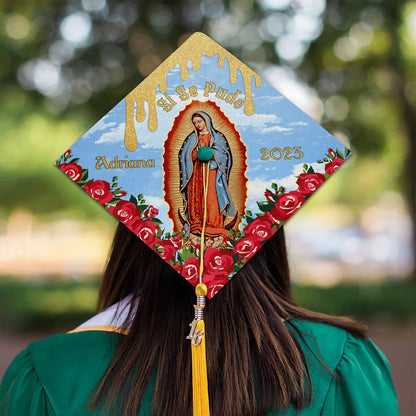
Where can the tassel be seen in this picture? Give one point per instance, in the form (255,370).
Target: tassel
(197,334)
(199,360)
(199,373)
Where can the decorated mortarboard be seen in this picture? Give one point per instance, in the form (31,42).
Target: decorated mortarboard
(204,161)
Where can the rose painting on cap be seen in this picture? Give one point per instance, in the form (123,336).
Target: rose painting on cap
(264,158)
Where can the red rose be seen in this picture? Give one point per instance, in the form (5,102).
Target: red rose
(119,193)
(226,241)
(331,152)
(308,183)
(99,190)
(72,170)
(145,230)
(150,212)
(268,216)
(67,154)
(134,224)
(176,241)
(124,211)
(217,262)
(331,167)
(214,284)
(260,229)
(190,270)
(168,250)
(246,247)
(287,205)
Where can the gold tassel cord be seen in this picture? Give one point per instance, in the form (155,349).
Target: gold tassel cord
(197,333)
(205,178)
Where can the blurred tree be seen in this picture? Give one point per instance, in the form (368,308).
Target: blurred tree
(76,58)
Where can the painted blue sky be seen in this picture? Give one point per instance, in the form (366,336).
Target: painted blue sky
(276,123)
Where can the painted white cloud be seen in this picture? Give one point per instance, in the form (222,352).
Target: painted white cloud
(256,189)
(278,129)
(114,135)
(298,123)
(100,125)
(155,201)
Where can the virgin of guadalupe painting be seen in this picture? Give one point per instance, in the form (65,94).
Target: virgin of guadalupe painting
(204,124)
(219,203)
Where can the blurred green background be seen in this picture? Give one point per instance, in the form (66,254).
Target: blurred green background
(349,64)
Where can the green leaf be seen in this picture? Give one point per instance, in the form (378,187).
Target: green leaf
(140,196)
(274,226)
(84,175)
(274,186)
(74,160)
(326,159)
(311,170)
(142,207)
(273,195)
(320,161)
(249,219)
(186,253)
(156,221)
(235,257)
(249,213)
(264,206)
(115,178)
(339,154)
(133,199)
(347,152)
(115,184)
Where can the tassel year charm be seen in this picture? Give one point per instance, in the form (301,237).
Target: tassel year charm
(199,361)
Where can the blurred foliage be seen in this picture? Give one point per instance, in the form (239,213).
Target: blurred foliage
(386,300)
(62,305)
(64,64)
(46,305)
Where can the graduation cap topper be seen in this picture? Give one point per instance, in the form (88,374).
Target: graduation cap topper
(203,161)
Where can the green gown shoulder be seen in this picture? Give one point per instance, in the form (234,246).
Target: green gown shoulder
(56,376)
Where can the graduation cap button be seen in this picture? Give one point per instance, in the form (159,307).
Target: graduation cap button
(204,154)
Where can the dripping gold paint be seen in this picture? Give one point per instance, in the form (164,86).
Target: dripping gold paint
(123,164)
(167,102)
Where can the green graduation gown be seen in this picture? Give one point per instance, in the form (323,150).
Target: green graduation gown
(56,376)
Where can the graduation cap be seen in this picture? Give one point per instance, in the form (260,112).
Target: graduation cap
(204,161)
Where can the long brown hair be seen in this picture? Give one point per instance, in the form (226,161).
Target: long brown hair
(254,362)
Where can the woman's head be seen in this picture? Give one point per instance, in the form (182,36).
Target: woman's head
(254,363)
(199,122)
(132,263)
